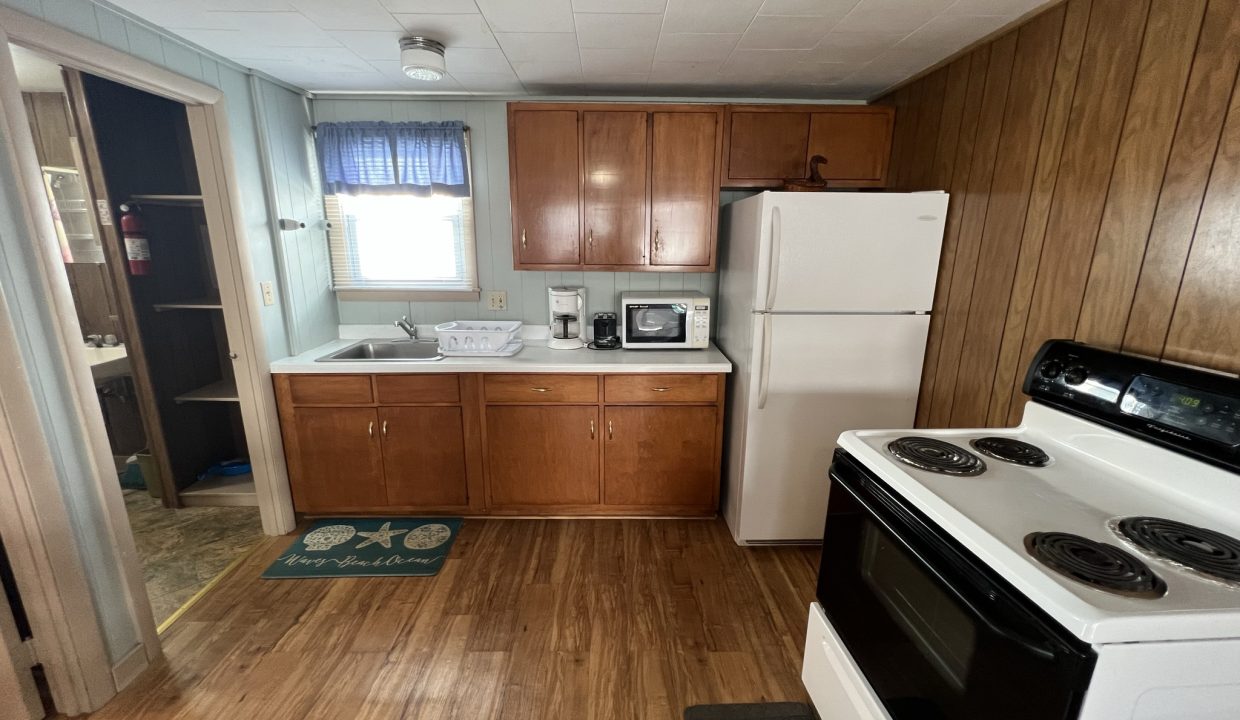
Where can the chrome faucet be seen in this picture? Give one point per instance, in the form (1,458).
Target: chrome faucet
(405,325)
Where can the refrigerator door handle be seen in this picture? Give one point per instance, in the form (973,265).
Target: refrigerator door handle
(764,373)
(772,270)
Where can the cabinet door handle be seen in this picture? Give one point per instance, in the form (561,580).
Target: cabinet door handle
(383,429)
(656,242)
(590,238)
(371,430)
(522,238)
(591,429)
(660,389)
(540,389)
(611,432)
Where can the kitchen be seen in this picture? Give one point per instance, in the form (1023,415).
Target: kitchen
(1077,170)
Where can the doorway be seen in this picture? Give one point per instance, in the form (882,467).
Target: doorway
(124,198)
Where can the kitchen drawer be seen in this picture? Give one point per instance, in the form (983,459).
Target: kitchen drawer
(405,389)
(541,388)
(330,389)
(660,388)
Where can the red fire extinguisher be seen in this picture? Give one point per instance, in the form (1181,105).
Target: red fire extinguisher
(137,249)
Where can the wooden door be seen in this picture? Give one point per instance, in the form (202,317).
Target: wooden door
(542,455)
(546,190)
(664,456)
(424,456)
(766,147)
(684,193)
(338,460)
(855,144)
(614,180)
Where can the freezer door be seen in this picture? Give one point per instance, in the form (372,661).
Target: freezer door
(849,252)
(814,377)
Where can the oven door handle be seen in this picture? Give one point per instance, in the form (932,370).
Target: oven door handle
(1038,647)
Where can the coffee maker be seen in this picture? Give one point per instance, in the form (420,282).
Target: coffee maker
(567,309)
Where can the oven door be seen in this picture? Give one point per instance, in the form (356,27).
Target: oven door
(656,325)
(933,630)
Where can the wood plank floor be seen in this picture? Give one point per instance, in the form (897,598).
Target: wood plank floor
(547,619)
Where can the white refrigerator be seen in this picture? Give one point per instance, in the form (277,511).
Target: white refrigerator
(824,307)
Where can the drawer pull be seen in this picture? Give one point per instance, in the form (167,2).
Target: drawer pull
(660,389)
(371,430)
(540,389)
(591,429)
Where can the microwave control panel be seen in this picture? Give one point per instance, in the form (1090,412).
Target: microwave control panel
(701,324)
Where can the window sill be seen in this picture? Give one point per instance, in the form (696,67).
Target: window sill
(410,295)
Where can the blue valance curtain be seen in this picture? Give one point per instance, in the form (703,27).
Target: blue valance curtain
(416,158)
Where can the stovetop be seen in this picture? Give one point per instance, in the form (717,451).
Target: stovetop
(1094,483)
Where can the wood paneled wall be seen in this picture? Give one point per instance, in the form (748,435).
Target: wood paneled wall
(1093,157)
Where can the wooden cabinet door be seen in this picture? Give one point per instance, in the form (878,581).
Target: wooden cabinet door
(542,455)
(546,189)
(614,193)
(684,192)
(660,456)
(338,461)
(855,144)
(766,146)
(424,456)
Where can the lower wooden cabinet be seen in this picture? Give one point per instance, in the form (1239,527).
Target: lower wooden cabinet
(424,456)
(514,444)
(339,462)
(660,456)
(542,455)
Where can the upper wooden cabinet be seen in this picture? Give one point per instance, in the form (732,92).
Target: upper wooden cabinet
(545,164)
(611,186)
(768,144)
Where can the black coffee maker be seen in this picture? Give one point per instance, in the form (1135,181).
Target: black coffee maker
(606,331)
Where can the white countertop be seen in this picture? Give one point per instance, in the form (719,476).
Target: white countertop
(535,357)
(107,363)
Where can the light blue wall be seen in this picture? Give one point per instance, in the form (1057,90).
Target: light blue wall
(527,291)
(311,310)
(20,284)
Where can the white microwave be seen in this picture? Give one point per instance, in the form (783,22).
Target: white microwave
(664,320)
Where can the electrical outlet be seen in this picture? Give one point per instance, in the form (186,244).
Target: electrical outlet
(497,300)
(269,293)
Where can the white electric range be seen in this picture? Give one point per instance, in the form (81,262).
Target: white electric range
(1082,565)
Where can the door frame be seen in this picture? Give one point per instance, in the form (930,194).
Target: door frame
(34,516)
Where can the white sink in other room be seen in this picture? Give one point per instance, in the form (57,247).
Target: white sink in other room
(107,363)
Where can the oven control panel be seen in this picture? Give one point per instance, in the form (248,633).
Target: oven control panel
(1189,409)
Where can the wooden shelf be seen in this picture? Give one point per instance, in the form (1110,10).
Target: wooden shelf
(222,391)
(185,200)
(203,304)
(221,491)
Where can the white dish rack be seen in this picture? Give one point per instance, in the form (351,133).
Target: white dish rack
(479,337)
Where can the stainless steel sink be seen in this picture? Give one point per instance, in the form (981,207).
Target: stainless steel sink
(387,351)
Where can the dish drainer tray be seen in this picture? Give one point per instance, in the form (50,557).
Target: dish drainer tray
(477,335)
(508,350)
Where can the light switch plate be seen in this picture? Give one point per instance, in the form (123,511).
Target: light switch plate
(269,294)
(497,300)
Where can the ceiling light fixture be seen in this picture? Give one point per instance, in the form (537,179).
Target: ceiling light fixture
(422,58)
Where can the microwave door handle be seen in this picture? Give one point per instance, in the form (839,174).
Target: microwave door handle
(772,269)
(1036,646)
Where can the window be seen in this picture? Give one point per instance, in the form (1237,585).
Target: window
(422,247)
(399,209)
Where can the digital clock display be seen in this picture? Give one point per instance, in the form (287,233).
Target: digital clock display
(1186,400)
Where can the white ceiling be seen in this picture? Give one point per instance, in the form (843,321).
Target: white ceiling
(707,48)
